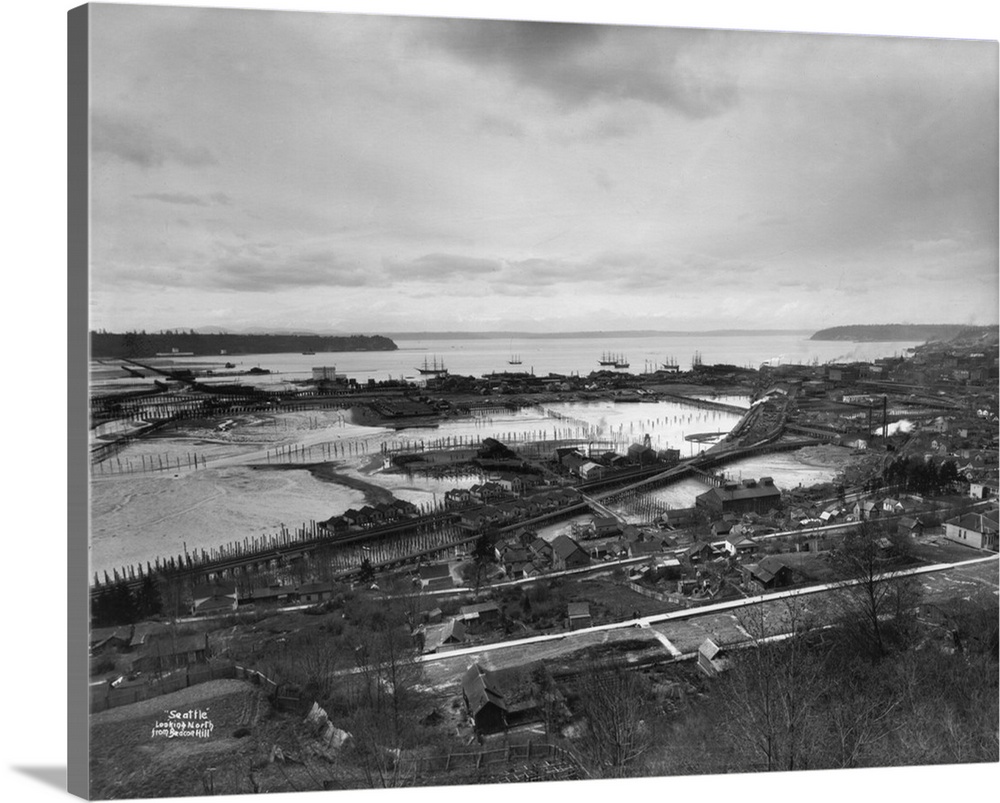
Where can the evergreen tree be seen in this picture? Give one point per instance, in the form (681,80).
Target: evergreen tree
(147,600)
(122,605)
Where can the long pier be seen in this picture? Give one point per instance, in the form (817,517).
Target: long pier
(703,403)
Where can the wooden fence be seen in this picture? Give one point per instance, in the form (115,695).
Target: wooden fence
(514,762)
(659,596)
(105,697)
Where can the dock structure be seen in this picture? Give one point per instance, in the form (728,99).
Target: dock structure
(394,544)
(706,404)
(701,464)
(602,510)
(709,477)
(388,544)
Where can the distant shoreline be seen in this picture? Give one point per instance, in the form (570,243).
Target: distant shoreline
(882,333)
(593,335)
(190,343)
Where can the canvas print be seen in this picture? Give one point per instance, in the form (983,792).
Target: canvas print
(479,401)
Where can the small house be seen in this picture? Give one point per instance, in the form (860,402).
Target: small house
(484,700)
(768,574)
(444,635)
(984,489)
(591,471)
(867,510)
(698,553)
(641,454)
(605,526)
(578,615)
(105,639)
(978,530)
(739,545)
(644,549)
(457,497)
(145,633)
(541,549)
(568,554)
(172,653)
(486,612)
(213,599)
(680,518)
(711,659)
(315,592)
(435,576)
(271,594)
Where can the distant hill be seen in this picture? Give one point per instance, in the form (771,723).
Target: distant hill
(142,344)
(874,333)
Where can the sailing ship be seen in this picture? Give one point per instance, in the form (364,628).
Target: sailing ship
(670,365)
(515,359)
(434,368)
(621,362)
(607,359)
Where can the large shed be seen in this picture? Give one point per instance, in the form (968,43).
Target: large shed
(749,496)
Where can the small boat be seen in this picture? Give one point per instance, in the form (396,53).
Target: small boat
(308,352)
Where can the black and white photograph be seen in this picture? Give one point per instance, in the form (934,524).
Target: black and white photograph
(478,400)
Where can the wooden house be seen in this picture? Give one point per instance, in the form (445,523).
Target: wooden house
(711,658)
(768,574)
(315,592)
(568,554)
(578,615)
(487,613)
(173,653)
(443,635)
(435,576)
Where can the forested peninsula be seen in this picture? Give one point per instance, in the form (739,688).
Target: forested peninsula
(874,333)
(143,344)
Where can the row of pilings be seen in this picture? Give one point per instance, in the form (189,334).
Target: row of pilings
(264,553)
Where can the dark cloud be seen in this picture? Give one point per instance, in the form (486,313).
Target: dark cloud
(182,198)
(133,142)
(580,64)
(626,272)
(441,267)
(615,126)
(257,269)
(538,272)
(500,126)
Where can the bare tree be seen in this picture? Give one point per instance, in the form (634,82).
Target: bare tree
(770,691)
(878,602)
(860,711)
(386,674)
(615,701)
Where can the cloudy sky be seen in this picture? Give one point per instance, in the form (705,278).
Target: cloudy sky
(379,174)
